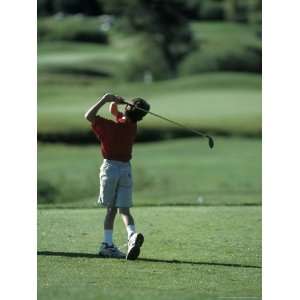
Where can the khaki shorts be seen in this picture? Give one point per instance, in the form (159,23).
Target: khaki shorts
(115,184)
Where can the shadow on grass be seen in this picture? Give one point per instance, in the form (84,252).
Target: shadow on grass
(169,261)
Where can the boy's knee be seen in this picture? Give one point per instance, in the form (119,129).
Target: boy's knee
(112,211)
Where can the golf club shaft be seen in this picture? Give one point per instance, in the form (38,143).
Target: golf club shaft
(173,122)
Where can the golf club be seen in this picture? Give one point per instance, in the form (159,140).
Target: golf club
(202,134)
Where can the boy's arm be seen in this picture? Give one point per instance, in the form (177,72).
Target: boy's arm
(113,108)
(90,115)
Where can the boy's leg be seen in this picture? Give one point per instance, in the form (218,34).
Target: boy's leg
(107,248)
(124,202)
(109,225)
(109,177)
(135,240)
(127,220)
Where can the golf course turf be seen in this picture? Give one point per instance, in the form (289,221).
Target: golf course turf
(198,208)
(189,253)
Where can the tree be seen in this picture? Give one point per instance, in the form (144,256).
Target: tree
(86,7)
(45,7)
(164,22)
(243,10)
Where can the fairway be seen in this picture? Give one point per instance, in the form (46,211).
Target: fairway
(227,102)
(189,253)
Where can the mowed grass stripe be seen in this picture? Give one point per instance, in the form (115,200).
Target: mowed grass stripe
(227,101)
(187,252)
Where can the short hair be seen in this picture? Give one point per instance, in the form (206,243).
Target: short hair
(138,110)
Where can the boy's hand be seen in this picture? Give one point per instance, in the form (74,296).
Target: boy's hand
(109,97)
(119,100)
(113,98)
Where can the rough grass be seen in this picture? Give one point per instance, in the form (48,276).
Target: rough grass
(189,253)
(184,172)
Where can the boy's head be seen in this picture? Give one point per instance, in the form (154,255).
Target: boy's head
(138,110)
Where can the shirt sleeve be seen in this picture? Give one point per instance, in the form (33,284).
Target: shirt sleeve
(99,126)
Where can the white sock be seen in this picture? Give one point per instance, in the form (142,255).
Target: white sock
(130,230)
(108,236)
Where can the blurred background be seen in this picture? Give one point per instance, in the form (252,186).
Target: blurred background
(196,61)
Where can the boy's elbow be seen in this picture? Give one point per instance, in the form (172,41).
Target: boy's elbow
(88,117)
(111,107)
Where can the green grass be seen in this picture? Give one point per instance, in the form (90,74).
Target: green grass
(198,208)
(221,101)
(189,253)
(59,57)
(226,101)
(225,35)
(184,172)
(71,28)
(54,56)
(223,46)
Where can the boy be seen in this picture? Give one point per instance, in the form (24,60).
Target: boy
(117,139)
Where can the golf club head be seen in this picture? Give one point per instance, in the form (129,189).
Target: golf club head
(210,142)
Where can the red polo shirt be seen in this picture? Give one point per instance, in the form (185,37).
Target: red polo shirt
(116,138)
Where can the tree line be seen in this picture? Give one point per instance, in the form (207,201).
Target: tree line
(163,25)
(230,10)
